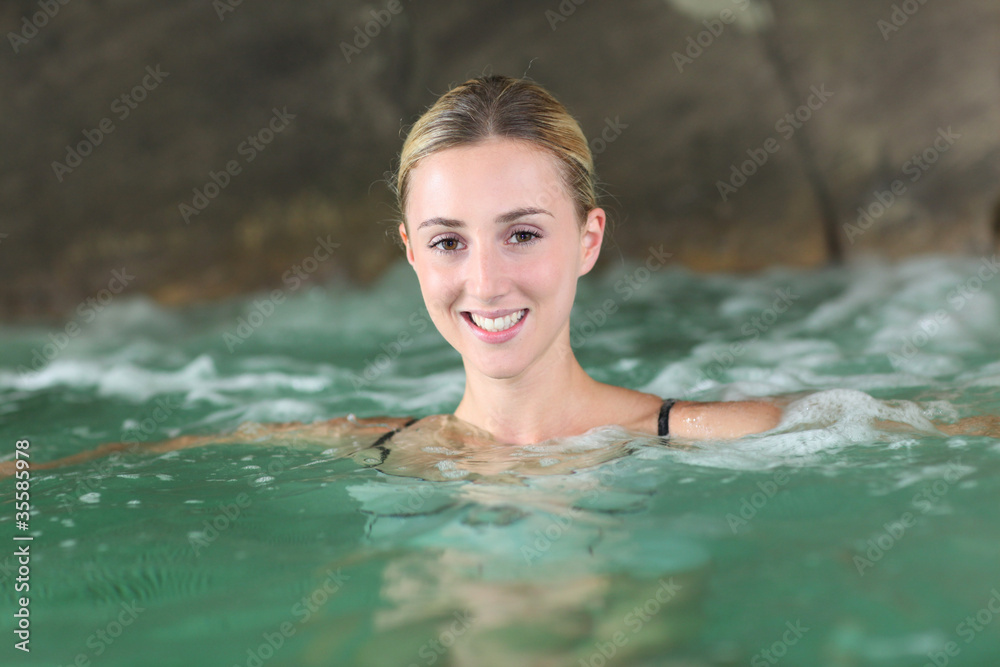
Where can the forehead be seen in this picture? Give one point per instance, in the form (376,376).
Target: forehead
(485,176)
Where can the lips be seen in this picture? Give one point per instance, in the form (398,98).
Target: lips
(496,326)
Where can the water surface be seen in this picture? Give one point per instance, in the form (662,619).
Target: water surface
(838,539)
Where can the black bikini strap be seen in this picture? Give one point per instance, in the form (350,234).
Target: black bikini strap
(663,424)
(388,434)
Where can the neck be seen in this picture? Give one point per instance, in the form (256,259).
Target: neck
(536,405)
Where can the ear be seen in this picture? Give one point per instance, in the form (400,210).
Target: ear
(406,242)
(591,238)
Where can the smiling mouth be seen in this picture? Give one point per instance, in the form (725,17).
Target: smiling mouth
(496,324)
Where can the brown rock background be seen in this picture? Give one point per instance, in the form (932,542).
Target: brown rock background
(683,126)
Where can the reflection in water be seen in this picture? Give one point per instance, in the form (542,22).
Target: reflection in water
(445,611)
(525,559)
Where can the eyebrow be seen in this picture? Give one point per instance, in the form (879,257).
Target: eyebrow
(502,219)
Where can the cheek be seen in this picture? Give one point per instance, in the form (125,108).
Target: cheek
(554,278)
(436,288)
(562,267)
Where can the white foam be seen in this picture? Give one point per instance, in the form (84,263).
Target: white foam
(837,335)
(199,380)
(821,423)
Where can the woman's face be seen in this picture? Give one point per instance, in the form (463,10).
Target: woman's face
(497,248)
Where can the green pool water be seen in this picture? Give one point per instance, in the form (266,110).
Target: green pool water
(837,539)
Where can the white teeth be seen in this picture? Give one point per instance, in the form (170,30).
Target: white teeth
(498,324)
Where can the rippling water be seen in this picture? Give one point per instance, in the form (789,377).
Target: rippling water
(856,533)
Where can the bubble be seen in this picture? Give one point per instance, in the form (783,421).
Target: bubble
(449,470)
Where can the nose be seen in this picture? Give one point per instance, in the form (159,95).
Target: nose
(487,273)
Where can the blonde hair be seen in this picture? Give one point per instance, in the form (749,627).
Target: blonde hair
(501,106)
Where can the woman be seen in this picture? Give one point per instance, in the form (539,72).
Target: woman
(499,218)
(496,188)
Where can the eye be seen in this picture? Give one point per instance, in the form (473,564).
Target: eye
(445,244)
(524,236)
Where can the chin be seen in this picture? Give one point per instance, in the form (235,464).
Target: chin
(498,369)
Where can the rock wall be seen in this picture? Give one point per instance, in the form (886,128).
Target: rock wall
(204,149)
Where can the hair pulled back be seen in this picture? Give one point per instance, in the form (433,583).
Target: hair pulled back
(502,107)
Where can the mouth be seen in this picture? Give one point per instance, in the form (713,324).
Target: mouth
(496,329)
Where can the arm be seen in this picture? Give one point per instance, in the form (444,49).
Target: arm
(988,425)
(359,433)
(725,419)
(734,419)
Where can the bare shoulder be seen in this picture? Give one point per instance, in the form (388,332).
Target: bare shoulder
(722,419)
(631,409)
(449,426)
